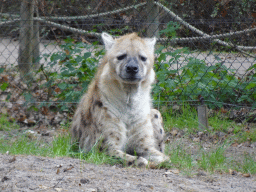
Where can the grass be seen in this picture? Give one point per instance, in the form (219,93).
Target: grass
(6,125)
(28,144)
(184,158)
(186,119)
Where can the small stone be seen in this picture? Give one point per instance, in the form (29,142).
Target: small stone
(30,121)
(200,134)
(195,139)
(175,171)
(253,145)
(84,181)
(201,173)
(92,190)
(5,179)
(8,105)
(60,165)
(3,110)
(3,97)
(29,131)
(167,173)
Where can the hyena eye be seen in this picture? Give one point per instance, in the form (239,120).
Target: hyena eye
(121,57)
(143,58)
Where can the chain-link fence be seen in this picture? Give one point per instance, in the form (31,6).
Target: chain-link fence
(205,50)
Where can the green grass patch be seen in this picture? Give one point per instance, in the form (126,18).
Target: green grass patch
(186,119)
(181,155)
(213,160)
(60,147)
(5,124)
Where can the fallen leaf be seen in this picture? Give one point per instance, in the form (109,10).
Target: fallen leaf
(22,117)
(235,144)
(232,172)
(57,90)
(68,169)
(175,171)
(4,79)
(247,175)
(152,165)
(12,160)
(223,110)
(44,110)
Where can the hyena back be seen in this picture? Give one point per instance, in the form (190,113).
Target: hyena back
(116,109)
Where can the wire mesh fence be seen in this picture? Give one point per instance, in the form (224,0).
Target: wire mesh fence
(49,51)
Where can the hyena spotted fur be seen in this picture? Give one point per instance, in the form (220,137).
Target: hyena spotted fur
(159,134)
(116,111)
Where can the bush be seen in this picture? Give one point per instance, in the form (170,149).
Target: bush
(216,83)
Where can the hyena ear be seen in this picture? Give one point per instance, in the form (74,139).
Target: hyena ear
(150,42)
(108,40)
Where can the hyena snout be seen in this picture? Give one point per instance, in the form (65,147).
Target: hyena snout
(132,68)
(132,71)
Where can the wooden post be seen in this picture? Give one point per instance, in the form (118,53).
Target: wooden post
(26,35)
(202,117)
(35,39)
(153,19)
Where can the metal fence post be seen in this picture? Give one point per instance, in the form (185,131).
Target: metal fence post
(153,19)
(26,35)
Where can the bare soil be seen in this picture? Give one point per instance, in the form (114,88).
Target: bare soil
(33,173)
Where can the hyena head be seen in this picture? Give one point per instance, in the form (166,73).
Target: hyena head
(130,57)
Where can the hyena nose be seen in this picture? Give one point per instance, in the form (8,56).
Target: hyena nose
(132,69)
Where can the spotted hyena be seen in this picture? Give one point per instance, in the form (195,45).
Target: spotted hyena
(116,109)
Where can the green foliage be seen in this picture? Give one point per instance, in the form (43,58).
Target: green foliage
(3,85)
(171,29)
(216,83)
(76,66)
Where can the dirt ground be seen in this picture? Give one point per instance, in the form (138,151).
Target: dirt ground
(32,173)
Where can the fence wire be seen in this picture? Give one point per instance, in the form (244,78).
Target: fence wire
(49,50)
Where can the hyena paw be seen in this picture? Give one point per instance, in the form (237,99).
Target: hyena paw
(141,162)
(160,158)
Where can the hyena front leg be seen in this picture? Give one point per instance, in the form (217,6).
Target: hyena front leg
(144,142)
(114,140)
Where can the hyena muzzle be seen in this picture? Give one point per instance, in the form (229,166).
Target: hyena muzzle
(116,111)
